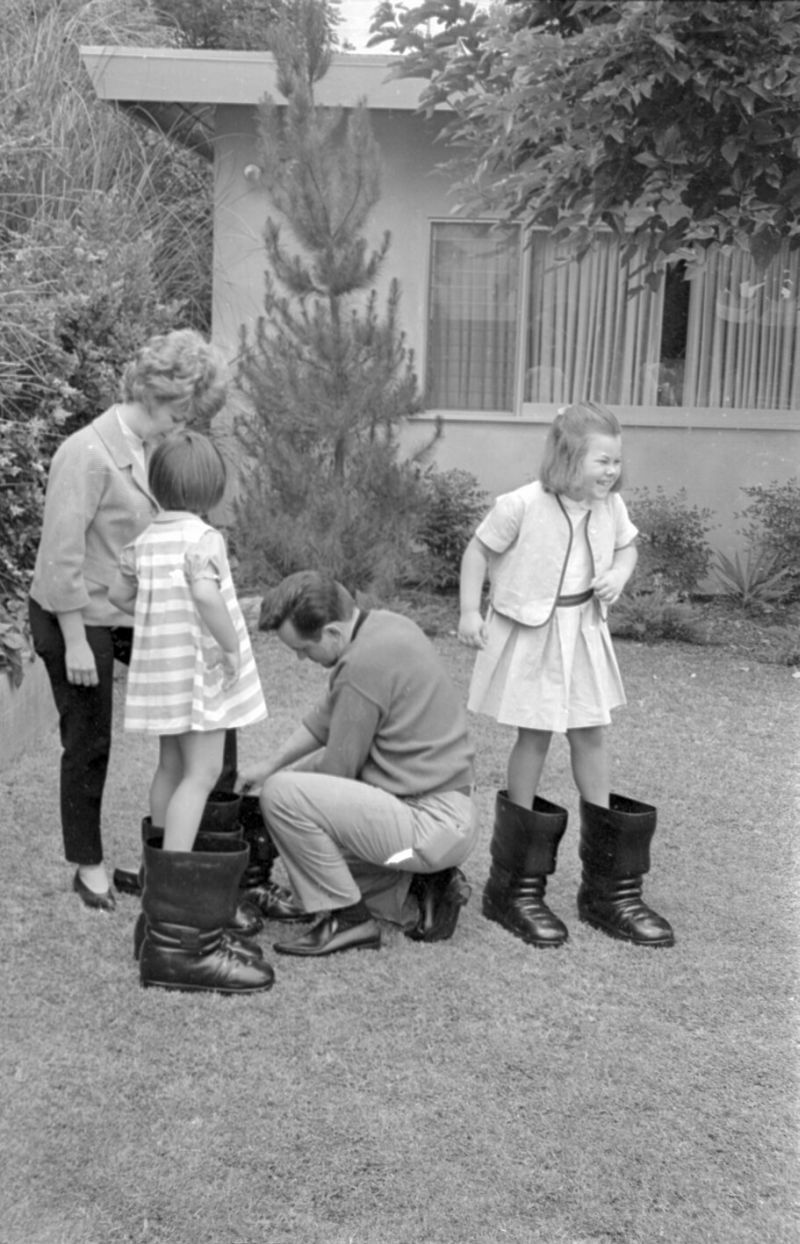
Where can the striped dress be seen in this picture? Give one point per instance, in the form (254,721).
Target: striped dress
(175,674)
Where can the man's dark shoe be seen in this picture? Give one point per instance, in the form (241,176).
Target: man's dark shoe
(329,935)
(275,902)
(440,896)
(127,881)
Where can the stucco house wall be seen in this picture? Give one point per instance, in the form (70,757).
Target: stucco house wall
(709,453)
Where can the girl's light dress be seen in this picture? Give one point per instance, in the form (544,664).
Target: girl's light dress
(555,677)
(175,674)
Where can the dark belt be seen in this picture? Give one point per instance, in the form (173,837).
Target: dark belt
(578,598)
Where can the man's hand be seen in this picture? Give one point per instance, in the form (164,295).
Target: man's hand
(251,778)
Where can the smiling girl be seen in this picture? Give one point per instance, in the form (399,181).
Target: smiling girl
(558,551)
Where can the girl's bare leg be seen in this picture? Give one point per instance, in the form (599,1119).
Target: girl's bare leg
(590,766)
(525,765)
(201,754)
(166,778)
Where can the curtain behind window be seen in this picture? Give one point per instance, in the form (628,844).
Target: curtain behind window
(743,338)
(473,315)
(587,338)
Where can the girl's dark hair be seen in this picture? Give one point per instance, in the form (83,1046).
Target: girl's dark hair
(187,472)
(567,441)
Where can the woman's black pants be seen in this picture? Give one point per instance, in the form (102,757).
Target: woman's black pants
(85,717)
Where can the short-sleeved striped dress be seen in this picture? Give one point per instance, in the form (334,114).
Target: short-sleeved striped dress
(175,675)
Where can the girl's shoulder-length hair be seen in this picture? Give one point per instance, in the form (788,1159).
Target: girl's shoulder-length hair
(567,441)
(187,472)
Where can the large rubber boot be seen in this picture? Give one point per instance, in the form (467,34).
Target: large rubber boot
(126,880)
(242,916)
(187,898)
(221,812)
(524,849)
(615,854)
(273,901)
(220,815)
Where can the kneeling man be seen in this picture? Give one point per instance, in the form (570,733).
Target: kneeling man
(370,799)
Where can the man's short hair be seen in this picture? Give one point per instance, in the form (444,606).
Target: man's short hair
(309,599)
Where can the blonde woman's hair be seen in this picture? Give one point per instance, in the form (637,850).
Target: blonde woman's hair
(567,441)
(180,368)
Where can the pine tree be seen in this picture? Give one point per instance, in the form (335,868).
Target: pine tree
(327,373)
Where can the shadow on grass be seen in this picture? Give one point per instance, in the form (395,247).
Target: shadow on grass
(472,1092)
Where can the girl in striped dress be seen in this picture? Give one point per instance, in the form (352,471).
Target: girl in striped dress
(192,673)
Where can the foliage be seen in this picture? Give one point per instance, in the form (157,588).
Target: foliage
(758,581)
(326,372)
(673,123)
(652,617)
(357,528)
(673,550)
(78,298)
(773,523)
(230,24)
(453,505)
(105,237)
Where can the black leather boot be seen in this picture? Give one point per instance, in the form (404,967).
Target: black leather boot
(188,897)
(243,922)
(125,879)
(274,901)
(221,813)
(524,849)
(615,853)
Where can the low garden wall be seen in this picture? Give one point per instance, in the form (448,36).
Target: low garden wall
(27,712)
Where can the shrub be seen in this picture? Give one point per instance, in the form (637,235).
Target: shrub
(453,505)
(655,616)
(673,551)
(773,525)
(25,450)
(77,301)
(757,582)
(362,530)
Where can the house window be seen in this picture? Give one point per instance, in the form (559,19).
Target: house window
(723,336)
(743,332)
(473,316)
(586,339)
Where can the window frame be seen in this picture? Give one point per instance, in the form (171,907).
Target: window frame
(766,419)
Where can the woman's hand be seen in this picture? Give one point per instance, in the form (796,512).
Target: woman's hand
(80,664)
(472,630)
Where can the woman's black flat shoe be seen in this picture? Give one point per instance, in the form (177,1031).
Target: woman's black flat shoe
(89,898)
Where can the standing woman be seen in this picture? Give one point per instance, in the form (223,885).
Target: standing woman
(98,501)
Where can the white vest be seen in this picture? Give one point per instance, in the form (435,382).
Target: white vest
(532,536)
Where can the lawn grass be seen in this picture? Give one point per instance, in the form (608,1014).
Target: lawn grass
(474,1092)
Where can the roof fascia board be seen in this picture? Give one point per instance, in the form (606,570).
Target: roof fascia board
(203,76)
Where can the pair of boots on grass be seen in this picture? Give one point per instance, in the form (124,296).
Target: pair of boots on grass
(615,856)
(201,907)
